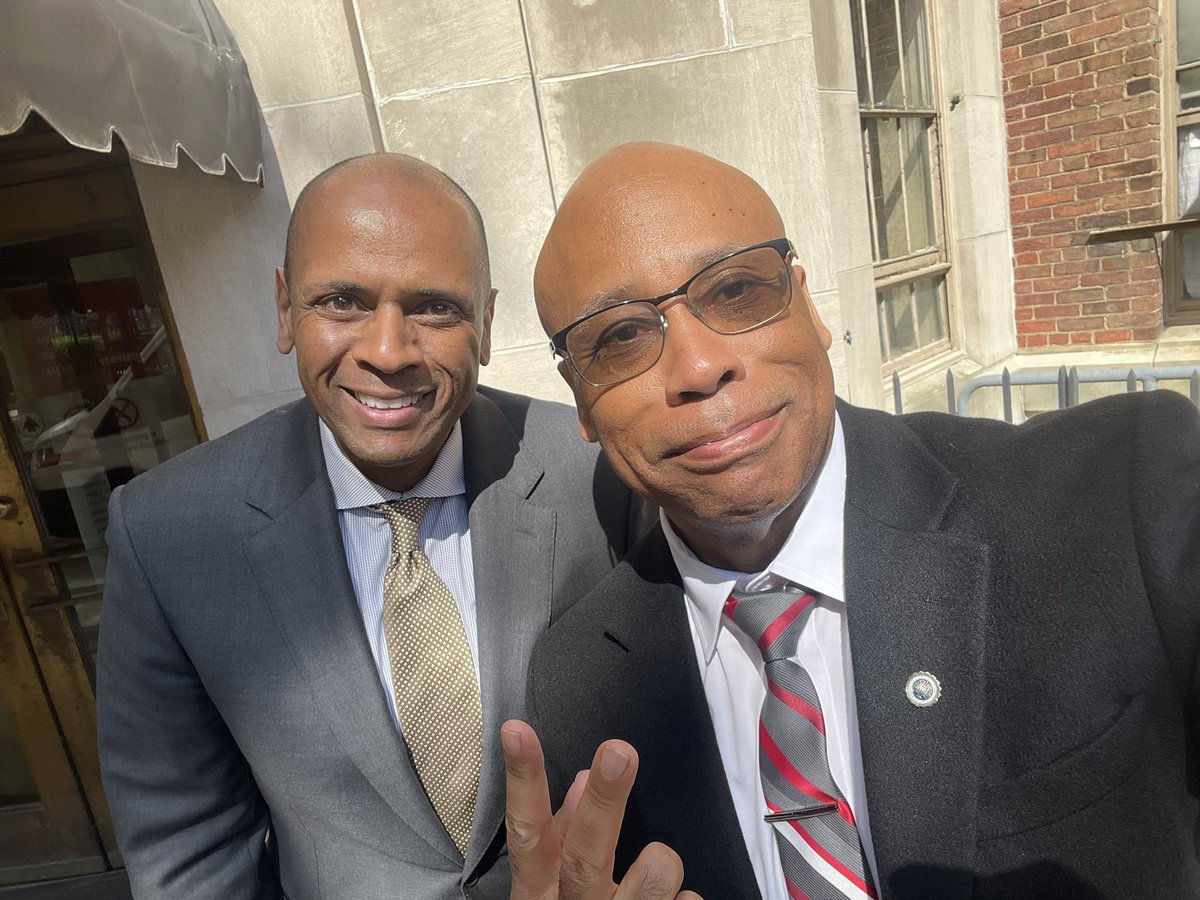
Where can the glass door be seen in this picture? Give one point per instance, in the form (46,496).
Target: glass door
(92,394)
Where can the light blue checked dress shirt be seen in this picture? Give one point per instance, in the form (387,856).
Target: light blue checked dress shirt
(367,539)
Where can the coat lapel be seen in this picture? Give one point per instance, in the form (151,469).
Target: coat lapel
(681,796)
(916,600)
(301,569)
(512,545)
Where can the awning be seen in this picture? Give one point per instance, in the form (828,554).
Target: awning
(166,75)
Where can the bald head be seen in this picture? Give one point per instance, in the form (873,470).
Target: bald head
(629,204)
(386,168)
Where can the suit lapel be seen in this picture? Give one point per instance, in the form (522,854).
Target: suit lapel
(301,569)
(681,796)
(916,600)
(512,545)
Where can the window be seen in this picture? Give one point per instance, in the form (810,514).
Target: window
(900,145)
(1182,99)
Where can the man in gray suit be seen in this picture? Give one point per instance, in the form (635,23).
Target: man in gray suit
(264,703)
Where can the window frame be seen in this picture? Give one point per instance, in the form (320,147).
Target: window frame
(1177,310)
(933,261)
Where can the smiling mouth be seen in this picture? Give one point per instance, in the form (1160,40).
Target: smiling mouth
(741,433)
(382,403)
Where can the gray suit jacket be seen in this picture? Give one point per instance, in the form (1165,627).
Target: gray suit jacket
(1049,575)
(245,741)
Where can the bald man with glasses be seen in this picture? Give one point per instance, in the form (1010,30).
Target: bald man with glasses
(862,656)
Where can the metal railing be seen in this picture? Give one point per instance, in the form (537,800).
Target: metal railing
(1068,381)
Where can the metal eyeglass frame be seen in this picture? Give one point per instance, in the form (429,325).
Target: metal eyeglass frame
(558,342)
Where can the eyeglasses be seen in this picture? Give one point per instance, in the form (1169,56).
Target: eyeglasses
(739,292)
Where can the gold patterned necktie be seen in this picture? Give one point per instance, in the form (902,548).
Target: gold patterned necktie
(433,675)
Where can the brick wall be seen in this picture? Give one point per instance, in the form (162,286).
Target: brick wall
(1081,93)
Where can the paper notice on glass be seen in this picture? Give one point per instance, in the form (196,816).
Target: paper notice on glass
(1189,171)
(88,490)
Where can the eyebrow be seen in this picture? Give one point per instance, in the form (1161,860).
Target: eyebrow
(627,291)
(323,288)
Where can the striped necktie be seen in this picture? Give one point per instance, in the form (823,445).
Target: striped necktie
(433,674)
(819,850)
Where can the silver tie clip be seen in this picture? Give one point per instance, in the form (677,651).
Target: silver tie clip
(791,815)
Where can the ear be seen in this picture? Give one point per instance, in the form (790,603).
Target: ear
(587,430)
(802,284)
(485,334)
(284,339)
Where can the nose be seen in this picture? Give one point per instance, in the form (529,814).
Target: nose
(696,360)
(387,340)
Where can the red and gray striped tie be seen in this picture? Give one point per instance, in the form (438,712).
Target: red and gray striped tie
(820,851)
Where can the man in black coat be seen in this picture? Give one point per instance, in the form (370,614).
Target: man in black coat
(999,626)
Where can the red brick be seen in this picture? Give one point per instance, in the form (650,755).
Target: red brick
(1024,313)
(1082,208)
(1098,127)
(1043,76)
(1070,85)
(1033,327)
(1029,216)
(1147,334)
(1043,12)
(1045,107)
(1121,74)
(1026,64)
(1081,295)
(1104,278)
(1058,136)
(1142,216)
(1104,220)
(1118,7)
(1083,323)
(1077,267)
(1153,181)
(1104,307)
(1021,36)
(1032,340)
(1081,337)
(1068,22)
(1130,320)
(1030,186)
(1099,28)
(1086,176)
(1127,137)
(1067,147)
(1101,61)
(1011,7)
(1102,189)
(1097,95)
(1058,338)
(1133,167)
(1047,44)
(1128,201)
(1055,284)
(1025,272)
(1152,303)
(1055,312)
(1144,117)
(1069,53)
(1072,116)
(1113,337)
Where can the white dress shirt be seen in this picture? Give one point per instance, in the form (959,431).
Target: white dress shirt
(731,666)
(367,538)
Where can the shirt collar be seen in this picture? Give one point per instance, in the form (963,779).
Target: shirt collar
(811,556)
(352,489)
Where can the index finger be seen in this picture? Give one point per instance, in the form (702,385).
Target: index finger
(591,843)
(533,840)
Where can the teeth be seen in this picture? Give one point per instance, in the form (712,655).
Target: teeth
(379,403)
